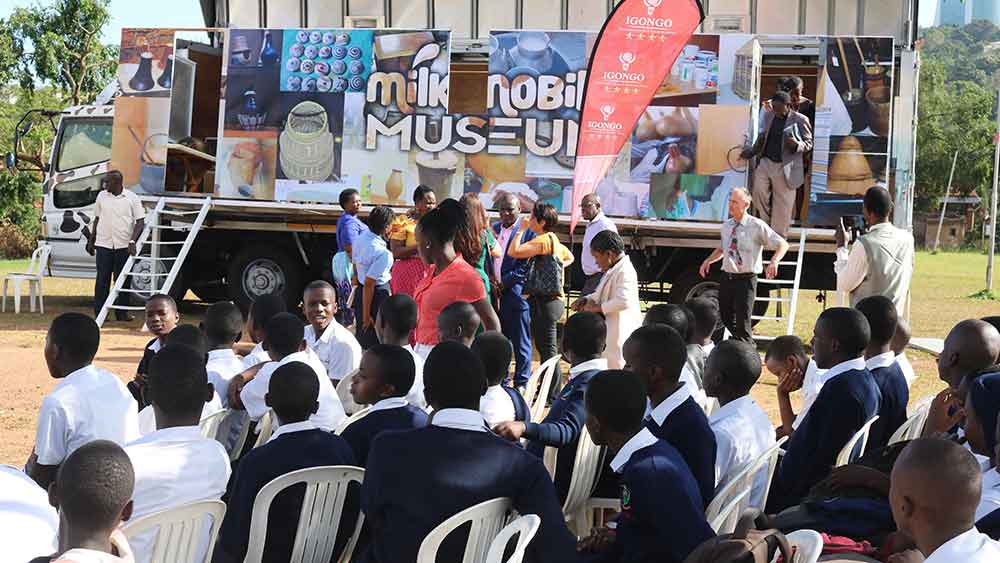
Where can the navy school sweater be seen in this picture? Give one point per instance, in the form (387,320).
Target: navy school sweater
(522,412)
(842,407)
(895,394)
(417,479)
(286,453)
(686,429)
(359,434)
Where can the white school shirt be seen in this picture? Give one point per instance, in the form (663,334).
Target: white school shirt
(599,223)
(337,348)
(907,368)
(416,395)
(880,361)
(459,419)
(812,384)
(331,410)
(642,439)
(222,366)
(990,501)
(118,541)
(88,404)
(173,467)
(256,356)
(29,526)
(496,406)
(697,393)
(660,412)
(147,418)
(743,432)
(291,427)
(970,547)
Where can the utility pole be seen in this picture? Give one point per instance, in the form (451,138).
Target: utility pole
(993,197)
(944,202)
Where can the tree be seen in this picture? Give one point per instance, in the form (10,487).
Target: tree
(59,46)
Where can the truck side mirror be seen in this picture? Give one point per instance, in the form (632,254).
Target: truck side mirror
(10,159)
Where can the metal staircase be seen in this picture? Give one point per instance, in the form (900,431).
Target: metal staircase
(781,284)
(150,247)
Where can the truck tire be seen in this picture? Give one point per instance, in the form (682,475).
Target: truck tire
(264,269)
(144,283)
(689,285)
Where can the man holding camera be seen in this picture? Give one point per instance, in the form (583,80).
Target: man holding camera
(880,262)
(118,221)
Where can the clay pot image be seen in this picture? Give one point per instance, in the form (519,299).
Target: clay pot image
(879,100)
(850,172)
(394,185)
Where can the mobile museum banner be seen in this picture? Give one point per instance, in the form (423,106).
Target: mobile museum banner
(635,51)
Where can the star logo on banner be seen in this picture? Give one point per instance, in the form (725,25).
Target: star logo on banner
(628,35)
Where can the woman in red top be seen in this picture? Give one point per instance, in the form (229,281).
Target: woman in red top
(450,279)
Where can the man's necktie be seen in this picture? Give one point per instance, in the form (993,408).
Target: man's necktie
(734,252)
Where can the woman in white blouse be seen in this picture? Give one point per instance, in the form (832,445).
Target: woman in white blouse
(616,296)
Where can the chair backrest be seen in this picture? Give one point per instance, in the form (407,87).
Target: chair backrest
(738,487)
(178,530)
(914,426)
(265,427)
(586,469)
(538,388)
(531,388)
(855,447)
(39,260)
(770,457)
(344,392)
(724,522)
(808,545)
(524,528)
(241,438)
(486,519)
(320,518)
(353,418)
(209,425)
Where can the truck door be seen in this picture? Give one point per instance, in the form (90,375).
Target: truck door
(753,128)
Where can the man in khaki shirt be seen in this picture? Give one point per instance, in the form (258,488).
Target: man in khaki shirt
(118,220)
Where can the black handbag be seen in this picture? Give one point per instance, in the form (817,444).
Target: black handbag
(545,275)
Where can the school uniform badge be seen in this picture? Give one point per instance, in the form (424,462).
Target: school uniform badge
(626,498)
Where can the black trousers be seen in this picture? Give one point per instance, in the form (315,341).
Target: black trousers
(366,336)
(545,313)
(110,263)
(736,296)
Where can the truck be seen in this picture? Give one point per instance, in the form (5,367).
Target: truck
(232,232)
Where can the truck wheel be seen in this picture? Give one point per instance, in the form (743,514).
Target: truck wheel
(144,283)
(262,270)
(689,285)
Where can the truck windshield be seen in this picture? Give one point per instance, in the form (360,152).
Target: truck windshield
(83,142)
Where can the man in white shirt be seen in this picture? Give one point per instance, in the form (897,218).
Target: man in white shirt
(396,320)
(28,524)
(286,346)
(597,221)
(88,404)
(742,429)
(935,488)
(336,347)
(118,221)
(881,261)
(175,465)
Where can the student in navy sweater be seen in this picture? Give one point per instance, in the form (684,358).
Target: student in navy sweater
(662,518)
(583,346)
(657,355)
(383,380)
(292,394)
(458,322)
(501,402)
(417,479)
(848,399)
(880,312)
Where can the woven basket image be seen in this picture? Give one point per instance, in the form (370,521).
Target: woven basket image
(305,147)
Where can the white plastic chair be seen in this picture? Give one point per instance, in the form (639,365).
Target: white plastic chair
(36,269)
(724,522)
(808,545)
(524,528)
(344,392)
(177,531)
(351,419)
(265,427)
(209,425)
(586,470)
(597,509)
(913,427)
(539,393)
(320,518)
(772,456)
(860,438)
(486,519)
(738,487)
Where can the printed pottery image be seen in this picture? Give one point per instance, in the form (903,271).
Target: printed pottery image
(305,147)
(850,172)
(145,62)
(394,185)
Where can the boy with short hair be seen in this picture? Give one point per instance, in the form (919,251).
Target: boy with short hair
(293,391)
(677,317)
(880,360)
(706,319)
(93,493)
(285,344)
(786,358)
(500,403)
(175,465)
(395,323)
(161,318)
(662,518)
(458,322)
(335,346)
(743,432)
(88,403)
(262,310)
(223,327)
(384,379)
(657,354)
(583,345)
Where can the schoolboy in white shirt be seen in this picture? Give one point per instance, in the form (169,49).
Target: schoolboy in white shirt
(263,309)
(501,402)
(223,326)
(335,346)
(88,404)
(28,523)
(395,323)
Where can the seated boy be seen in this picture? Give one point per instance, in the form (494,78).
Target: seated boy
(900,340)
(786,359)
(743,432)
(292,394)
(706,319)
(161,318)
(93,493)
(583,345)
(285,345)
(657,355)
(395,323)
(662,516)
(416,479)
(881,362)
(223,327)
(676,317)
(175,465)
(500,403)
(934,491)
(88,403)
(262,310)
(336,347)
(458,322)
(848,399)
(383,381)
